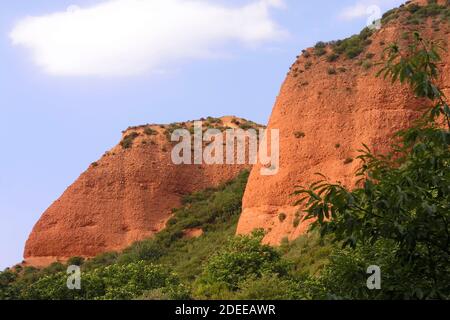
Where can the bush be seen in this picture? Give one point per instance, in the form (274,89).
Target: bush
(353,46)
(127,141)
(243,257)
(7,290)
(320,49)
(282,216)
(331,71)
(150,132)
(109,283)
(75,261)
(389,15)
(248,125)
(332,57)
(270,287)
(307,254)
(345,276)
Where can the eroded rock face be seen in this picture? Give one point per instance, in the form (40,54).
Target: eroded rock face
(324,118)
(126,196)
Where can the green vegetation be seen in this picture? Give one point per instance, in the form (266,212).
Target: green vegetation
(171,128)
(241,258)
(418,14)
(332,57)
(320,49)
(247,124)
(150,132)
(390,15)
(353,46)
(215,211)
(212,120)
(109,283)
(128,140)
(282,216)
(170,266)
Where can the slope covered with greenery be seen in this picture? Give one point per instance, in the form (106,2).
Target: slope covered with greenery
(172,266)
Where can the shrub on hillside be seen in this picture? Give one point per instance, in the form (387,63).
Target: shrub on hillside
(127,141)
(243,257)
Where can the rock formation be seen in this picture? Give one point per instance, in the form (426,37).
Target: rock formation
(124,197)
(329,105)
(327,108)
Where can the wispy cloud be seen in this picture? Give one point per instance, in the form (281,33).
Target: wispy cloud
(127,37)
(365,8)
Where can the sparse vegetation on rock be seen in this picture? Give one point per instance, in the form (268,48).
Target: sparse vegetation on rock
(127,141)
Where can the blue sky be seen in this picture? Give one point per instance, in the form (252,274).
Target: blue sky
(58,116)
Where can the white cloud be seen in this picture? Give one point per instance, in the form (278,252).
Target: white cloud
(355,11)
(366,8)
(128,37)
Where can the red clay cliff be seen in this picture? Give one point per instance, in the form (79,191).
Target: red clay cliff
(325,112)
(126,196)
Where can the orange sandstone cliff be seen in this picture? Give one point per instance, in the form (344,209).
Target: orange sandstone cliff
(326,110)
(124,197)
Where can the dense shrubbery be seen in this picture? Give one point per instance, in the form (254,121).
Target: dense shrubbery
(353,46)
(419,13)
(108,283)
(241,258)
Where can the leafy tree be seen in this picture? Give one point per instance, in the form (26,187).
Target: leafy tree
(402,198)
(7,279)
